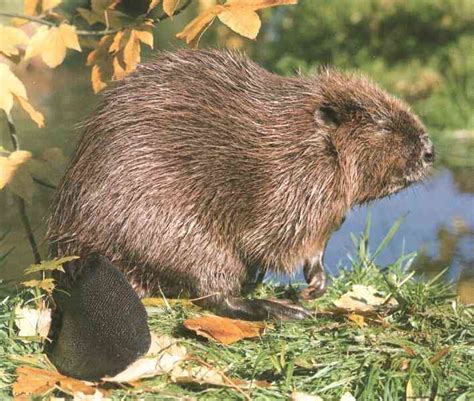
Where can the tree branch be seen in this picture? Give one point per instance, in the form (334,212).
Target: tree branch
(20,201)
(102,32)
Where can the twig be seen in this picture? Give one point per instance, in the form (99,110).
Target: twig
(102,32)
(20,201)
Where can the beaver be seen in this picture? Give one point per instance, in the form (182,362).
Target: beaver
(201,165)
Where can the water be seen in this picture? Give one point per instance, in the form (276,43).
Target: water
(439,214)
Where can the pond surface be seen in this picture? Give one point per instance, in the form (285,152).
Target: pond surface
(439,214)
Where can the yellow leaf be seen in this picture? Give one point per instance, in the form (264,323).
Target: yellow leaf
(30,6)
(35,115)
(357,319)
(242,20)
(259,4)
(9,165)
(69,36)
(51,44)
(97,83)
(202,21)
(145,37)
(10,86)
(49,4)
(131,52)
(119,72)
(153,4)
(169,6)
(10,39)
(224,330)
(115,46)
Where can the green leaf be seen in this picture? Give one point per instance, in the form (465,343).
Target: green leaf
(49,265)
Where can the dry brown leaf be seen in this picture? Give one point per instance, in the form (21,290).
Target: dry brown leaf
(32,322)
(10,39)
(153,4)
(224,330)
(35,382)
(169,6)
(362,299)
(444,351)
(163,356)
(52,43)
(244,21)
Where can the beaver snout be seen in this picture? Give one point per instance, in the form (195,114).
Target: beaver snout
(428,152)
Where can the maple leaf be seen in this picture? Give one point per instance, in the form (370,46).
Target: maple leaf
(52,43)
(47,284)
(10,39)
(224,330)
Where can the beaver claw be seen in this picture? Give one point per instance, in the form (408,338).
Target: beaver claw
(315,277)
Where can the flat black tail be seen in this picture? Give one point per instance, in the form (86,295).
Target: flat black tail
(99,326)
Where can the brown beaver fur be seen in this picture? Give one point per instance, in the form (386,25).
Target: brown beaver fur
(202,164)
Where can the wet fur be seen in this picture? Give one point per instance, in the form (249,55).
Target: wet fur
(202,164)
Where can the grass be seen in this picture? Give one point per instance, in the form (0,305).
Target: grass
(422,350)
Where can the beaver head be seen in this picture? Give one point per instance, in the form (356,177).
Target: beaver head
(380,145)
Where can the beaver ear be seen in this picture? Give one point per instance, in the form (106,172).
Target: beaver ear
(328,115)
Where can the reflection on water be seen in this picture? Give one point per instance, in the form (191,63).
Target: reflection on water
(439,220)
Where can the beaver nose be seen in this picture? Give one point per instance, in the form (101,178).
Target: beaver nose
(429,153)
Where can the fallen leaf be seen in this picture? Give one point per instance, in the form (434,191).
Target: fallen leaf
(10,39)
(444,351)
(298,396)
(348,397)
(32,322)
(36,382)
(362,299)
(169,6)
(162,357)
(357,319)
(52,43)
(244,21)
(224,330)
